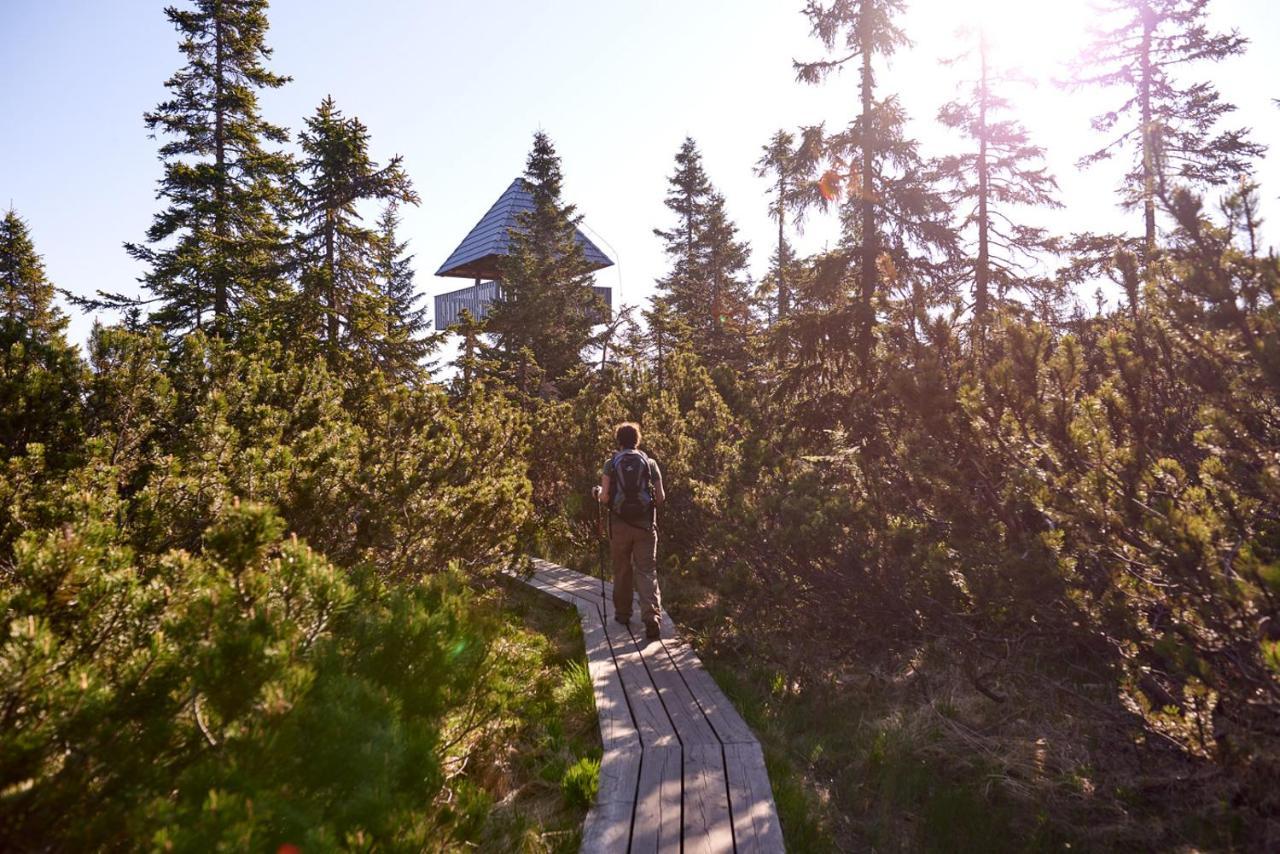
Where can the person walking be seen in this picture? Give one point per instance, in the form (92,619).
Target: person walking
(631,487)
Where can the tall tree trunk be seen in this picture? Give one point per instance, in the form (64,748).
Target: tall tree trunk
(866,299)
(982,277)
(1148,141)
(220,272)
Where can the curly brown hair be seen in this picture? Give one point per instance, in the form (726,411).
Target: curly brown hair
(628,435)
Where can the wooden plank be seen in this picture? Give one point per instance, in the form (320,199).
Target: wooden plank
(647,710)
(682,707)
(607,827)
(562,594)
(707,825)
(755,817)
(720,713)
(657,825)
(579,585)
(617,727)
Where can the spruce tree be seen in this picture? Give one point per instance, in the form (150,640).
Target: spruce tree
(218,247)
(792,172)
(28,293)
(343,301)
(41,374)
(992,184)
(1167,127)
(707,285)
(891,209)
(543,317)
(408,339)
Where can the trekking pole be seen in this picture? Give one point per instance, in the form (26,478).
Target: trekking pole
(601,534)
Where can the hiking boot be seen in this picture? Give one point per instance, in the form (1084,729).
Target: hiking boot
(622,619)
(652,631)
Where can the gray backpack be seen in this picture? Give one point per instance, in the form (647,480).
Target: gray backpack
(632,498)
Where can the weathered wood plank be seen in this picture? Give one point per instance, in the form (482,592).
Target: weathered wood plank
(720,713)
(707,825)
(682,707)
(657,825)
(755,816)
(567,579)
(560,593)
(617,728)
(607,827)
(647,710)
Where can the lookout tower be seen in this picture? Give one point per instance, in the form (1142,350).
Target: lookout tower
(480,253)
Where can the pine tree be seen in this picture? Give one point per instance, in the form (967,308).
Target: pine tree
(792,173)
(892,216)
(1167,127)
(707,285)
(408,340)
(993,183)
(1240,208)
(28,293)
(543,317)
(218,247)
(343,301)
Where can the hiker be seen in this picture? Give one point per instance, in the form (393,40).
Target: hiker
(631,487)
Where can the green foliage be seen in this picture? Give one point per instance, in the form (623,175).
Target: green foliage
(347,268)
(179,666)
(581,782)
(250,693)
(217,250)
(27,296)
(707,285)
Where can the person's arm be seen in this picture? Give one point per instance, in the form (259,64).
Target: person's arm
(659,494)
(606,474)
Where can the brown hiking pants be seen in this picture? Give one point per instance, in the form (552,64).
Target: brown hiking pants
(635,567)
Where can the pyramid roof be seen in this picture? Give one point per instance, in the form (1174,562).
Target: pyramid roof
(480,252)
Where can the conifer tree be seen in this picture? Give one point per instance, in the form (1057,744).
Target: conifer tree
(707,285)
(543,317)
(664,331)
(892,216)
(792,173)
(1168,127)
(343,300)
(408,339)
(218,246)
(41,375)
(28,293)
(1240,208)
(475,357)
(1001,171)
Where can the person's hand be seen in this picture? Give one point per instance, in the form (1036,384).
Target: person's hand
(595,492)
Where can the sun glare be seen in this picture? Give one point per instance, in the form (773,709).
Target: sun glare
(1030,36)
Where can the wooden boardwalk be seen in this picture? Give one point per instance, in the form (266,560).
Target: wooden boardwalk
(681,771)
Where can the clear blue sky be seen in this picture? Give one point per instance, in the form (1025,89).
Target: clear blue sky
(459,87)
